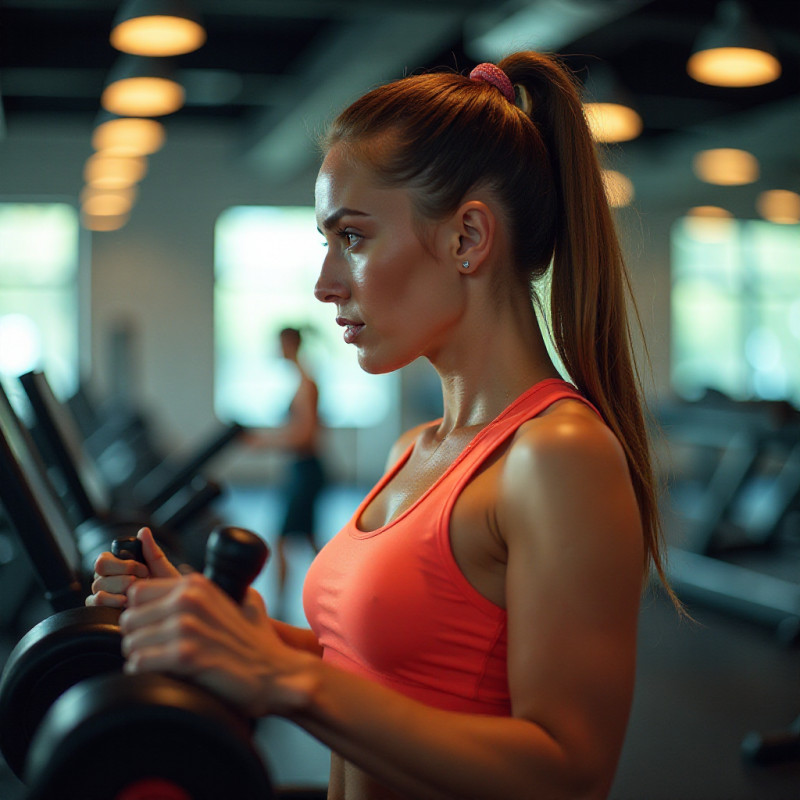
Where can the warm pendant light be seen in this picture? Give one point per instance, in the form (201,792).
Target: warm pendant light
(618,188)
(157,28)
(113,172)
(97,201)
(612,122)
(142,87)
(710,224)
(106,205)
(609,112)
(732,51)
(780,206)
(128,136)
(726,166)
(103,222)
(709,212)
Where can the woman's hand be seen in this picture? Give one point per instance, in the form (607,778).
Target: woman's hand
(189,627)
(113,576)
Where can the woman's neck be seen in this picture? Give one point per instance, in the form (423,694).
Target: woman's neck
(501,356)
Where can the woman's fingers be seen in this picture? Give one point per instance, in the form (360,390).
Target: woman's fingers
(114,584)
(253,606)
(107,565)
(148,600)
(102,598)
(159,565)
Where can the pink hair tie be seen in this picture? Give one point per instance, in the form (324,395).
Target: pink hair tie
(490,73)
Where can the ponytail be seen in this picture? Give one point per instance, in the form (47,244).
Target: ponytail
(589,284)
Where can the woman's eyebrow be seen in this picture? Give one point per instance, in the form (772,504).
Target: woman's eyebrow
(342,212)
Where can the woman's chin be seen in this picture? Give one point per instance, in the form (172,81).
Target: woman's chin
(375,364)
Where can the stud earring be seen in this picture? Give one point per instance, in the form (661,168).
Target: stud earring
(465,264)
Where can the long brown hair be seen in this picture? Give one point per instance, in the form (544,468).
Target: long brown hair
(441,135)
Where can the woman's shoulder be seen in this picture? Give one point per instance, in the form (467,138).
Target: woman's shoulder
(565,453)
(568,429)
(565,483)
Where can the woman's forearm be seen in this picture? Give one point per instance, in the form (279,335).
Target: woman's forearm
(427,753)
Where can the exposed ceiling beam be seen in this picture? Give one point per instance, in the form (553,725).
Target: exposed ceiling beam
(363,54)
(539,24)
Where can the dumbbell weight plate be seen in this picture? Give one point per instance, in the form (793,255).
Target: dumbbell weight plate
(53,656)
(107,736)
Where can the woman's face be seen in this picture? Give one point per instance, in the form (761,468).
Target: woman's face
(395,299)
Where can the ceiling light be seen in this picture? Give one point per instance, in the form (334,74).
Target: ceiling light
(612,122)
(106,205)
(709,212)
(618,188)
(708,224)
(779,205)
(142,87)
(99,201)
(157,28)
(726,166)
(114,172)
(732,51)
(128,136)
(609,111)
(103,222)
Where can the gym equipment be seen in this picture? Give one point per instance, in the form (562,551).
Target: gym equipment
(167,505)
(178,739)
(59,652)
(734,516)
(38,515)
(33,510)
(738,524)
(66,707)
(118,438)
(59,438)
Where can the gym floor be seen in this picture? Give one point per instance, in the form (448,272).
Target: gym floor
(701,687)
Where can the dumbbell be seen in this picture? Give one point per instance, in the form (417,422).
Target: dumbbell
(179,741)
(61,651)
(148,737)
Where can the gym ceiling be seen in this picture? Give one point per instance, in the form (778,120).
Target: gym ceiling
(273,70)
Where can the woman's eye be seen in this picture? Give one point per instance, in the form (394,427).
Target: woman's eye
(350,237)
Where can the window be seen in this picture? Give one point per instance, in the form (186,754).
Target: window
(39,254)
(267,260)
(736,309)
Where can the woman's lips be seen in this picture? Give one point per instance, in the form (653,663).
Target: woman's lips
(351,329)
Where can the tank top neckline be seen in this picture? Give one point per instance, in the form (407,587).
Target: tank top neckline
(357,533)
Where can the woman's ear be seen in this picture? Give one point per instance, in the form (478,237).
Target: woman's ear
(474,225)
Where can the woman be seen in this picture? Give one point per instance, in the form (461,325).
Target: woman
(474,625)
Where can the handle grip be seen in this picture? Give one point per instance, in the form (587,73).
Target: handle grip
(128,548)
(234,557)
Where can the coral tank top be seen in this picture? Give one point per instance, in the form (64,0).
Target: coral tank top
(392,605)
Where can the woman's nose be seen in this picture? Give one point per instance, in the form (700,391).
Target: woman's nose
(329,288)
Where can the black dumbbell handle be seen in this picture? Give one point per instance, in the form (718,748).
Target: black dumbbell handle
(234,557)
(127,549)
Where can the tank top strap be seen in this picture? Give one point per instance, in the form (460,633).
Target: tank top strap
(528,405)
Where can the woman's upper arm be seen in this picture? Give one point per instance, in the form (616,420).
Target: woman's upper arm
(569,517)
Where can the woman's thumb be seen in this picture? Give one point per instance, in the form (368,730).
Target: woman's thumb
(157,562)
